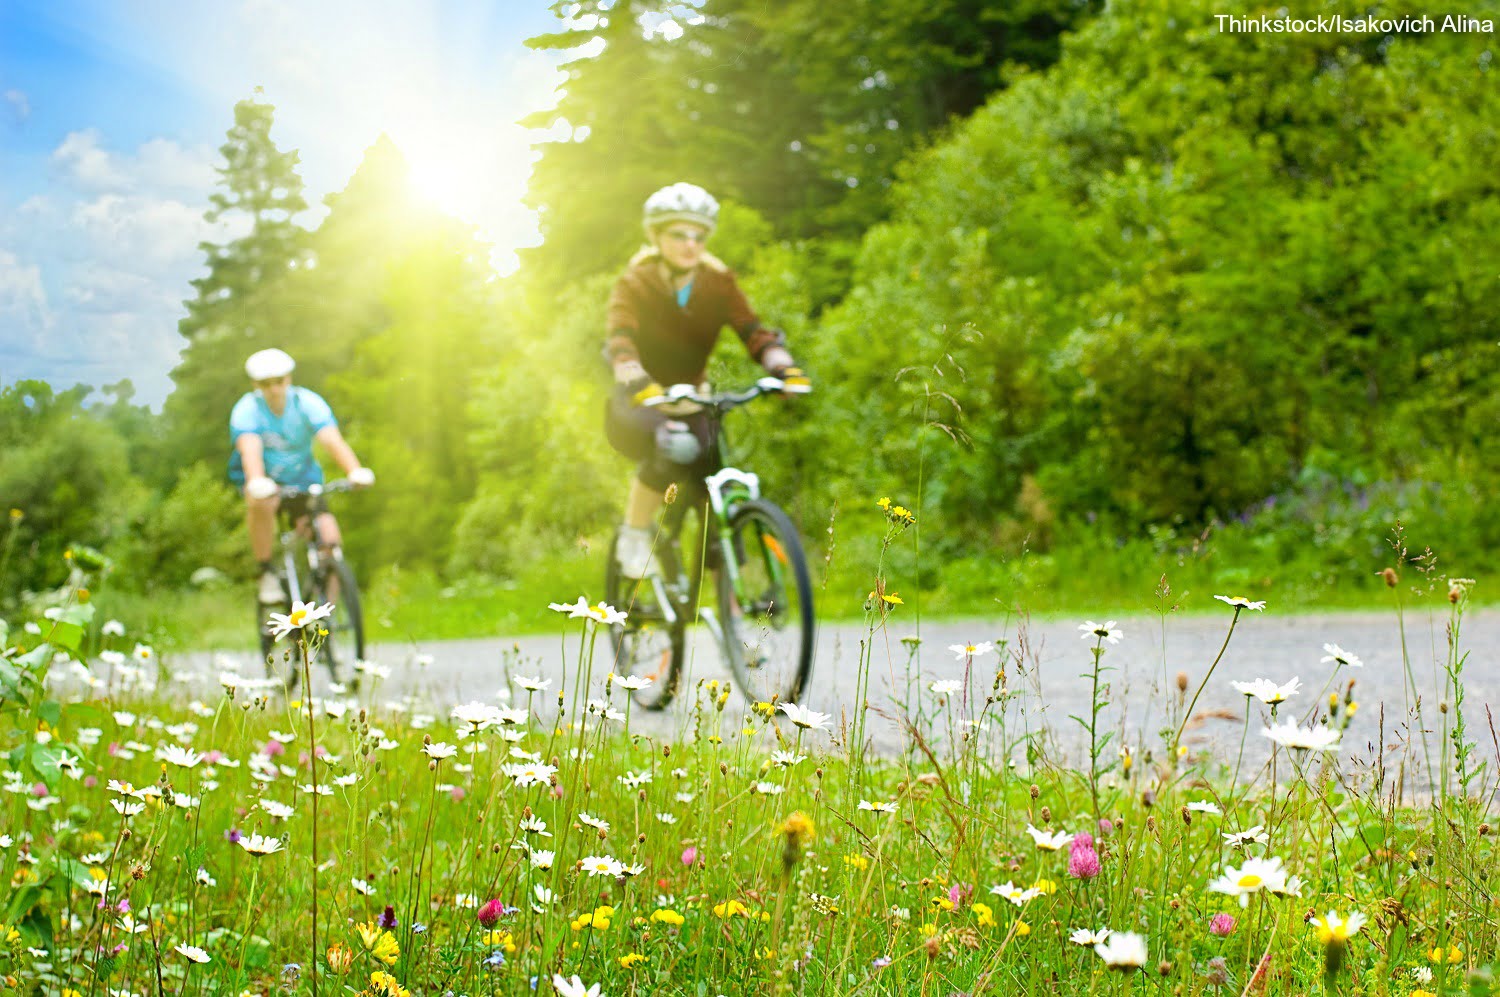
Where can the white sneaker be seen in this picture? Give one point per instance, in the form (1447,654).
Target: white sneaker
(633,551)
(269,589)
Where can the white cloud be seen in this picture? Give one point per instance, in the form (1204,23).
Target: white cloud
(23,299)
(159,165)
(114,239)
(84,163)
(148,235)
(18,107)
(166,165)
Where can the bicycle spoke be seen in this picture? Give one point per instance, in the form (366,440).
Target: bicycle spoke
(766,606)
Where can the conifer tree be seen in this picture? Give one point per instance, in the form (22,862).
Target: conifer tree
(231,316)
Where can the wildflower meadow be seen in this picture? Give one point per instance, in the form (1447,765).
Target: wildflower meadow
(201,832)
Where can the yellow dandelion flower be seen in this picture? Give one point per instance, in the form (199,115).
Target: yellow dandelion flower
(798,825)
(985,914)
(667,916)
(631,960)
(1022,929)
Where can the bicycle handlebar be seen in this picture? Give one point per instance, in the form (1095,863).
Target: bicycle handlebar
(724,401)
(297,491)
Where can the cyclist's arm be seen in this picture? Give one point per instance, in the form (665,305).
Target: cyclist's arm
(338,448)
(622,319)
(252,455)
(765,345)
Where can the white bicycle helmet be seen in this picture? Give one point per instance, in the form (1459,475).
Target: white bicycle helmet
(681,202)
(266,364)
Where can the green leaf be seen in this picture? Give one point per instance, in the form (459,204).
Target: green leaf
(1374,834)
(45,760)
(81,613)
(10,679)
(51,712)
(65,635)
(89,558)
(37,656)
(74,871)
(39,924)
(21,903)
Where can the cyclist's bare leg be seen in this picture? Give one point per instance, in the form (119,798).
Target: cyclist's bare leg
(326,529)
(641,504)
(260,521)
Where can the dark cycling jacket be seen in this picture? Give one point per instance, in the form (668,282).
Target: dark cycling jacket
(671,342)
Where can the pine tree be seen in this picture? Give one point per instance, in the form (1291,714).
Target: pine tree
(232,314)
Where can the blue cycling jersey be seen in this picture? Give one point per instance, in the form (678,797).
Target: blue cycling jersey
(287,437)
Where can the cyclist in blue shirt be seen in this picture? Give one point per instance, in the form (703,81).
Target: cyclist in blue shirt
(272,429)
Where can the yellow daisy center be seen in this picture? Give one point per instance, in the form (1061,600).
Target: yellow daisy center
(1250,881)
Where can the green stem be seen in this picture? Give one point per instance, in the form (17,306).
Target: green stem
(1177,738)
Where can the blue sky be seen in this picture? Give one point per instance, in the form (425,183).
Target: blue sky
(111,114)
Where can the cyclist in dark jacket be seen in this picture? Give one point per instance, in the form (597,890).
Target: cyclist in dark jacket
(665,316)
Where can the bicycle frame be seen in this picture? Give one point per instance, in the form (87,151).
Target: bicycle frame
(724,490)
(736,544)
(291,536)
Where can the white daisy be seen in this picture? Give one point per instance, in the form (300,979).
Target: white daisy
(803,717)
(1101,631)
(1337,655)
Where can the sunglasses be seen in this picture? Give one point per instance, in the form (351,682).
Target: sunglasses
(681,235)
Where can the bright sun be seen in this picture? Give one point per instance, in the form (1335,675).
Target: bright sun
(468,172)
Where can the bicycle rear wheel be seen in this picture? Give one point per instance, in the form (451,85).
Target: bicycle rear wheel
(646,645)
(765,604)
(345,643)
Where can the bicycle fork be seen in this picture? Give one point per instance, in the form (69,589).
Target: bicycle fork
(289,564)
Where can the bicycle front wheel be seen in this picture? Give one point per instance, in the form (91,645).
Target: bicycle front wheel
(277,657)
(645,646)
(345,643)
(765,601)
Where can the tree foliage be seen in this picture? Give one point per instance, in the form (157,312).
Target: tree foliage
(810,141)
(1111,270)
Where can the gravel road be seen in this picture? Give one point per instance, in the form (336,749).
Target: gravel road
(1047,662)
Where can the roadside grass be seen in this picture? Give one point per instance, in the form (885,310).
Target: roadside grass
(1071,580)
(203,834)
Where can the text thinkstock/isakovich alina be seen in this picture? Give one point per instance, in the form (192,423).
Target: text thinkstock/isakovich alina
(1354,25)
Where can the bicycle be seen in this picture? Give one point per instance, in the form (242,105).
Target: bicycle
(762,587)
(329,579)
